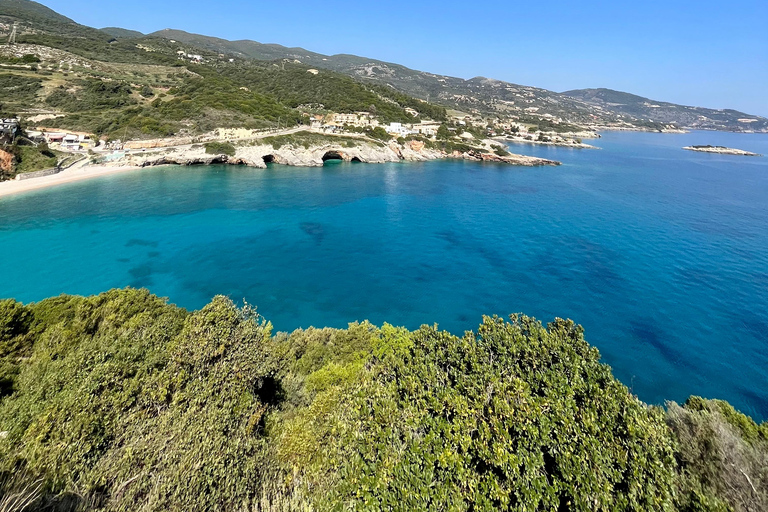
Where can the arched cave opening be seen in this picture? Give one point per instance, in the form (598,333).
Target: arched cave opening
(269,159)
(356,159)
(332,155)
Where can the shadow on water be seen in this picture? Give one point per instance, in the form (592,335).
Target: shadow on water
(133,242)
(466,242)
(142,275)
(572,258)
(315,230)
(647,331)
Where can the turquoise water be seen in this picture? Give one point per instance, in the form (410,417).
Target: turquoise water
(662,254)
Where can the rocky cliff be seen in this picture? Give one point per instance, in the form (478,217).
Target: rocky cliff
(6,162)
(259,155)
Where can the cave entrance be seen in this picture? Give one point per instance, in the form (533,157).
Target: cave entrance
(356,160)
(269,159)
(333,156)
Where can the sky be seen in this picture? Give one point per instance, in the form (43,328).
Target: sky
(704,53)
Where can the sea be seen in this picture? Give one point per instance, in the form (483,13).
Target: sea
(660,254)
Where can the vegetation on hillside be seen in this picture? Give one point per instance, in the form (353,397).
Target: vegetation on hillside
(31,158)
(17,91)
(124,402)
(113,87)
(220,148)
(293,86)
(307,139)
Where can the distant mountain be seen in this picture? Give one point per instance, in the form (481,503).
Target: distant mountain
(567,111)
(122,33)
(478,95)
(244,49)
(663,112)
(592,107)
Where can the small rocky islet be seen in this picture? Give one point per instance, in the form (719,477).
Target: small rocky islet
(722,150)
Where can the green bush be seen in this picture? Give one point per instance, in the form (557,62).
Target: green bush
(124,402)
(722,455)
(514,416)
(220,148)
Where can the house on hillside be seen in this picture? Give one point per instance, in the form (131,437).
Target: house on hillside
(359,119)
(8,129)
(398,129)
(71,142)
(427,128)
(54,138)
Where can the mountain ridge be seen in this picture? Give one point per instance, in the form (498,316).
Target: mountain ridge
(480,96)
(459,93)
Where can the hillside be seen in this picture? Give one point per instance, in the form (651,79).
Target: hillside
(663,112)
(32,12)
(493,97)
(120,84)
(482,97)
(121,33)
(479,95)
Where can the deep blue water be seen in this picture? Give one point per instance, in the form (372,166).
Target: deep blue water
(661,254)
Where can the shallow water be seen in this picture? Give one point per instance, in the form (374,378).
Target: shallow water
(662,254)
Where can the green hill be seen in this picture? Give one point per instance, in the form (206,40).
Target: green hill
(480,96)
(243,48)
(32,12)
(493,97)
(121,84)
(121,33)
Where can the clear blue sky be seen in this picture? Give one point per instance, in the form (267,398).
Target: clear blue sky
(705,53)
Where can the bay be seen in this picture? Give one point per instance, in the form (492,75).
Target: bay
(661,254)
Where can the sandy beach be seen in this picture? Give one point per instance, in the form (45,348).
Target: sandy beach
(75,173)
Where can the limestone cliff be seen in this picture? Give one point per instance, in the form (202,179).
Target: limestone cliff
(259,154)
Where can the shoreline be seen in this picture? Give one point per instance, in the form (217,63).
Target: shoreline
(257,155)
(14,187)
(574,145)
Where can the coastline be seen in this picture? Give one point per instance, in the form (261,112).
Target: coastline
(257,155)
(13,187)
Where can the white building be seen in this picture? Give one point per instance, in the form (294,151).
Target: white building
(360,119)
(398,129)
(71,142)
(427,128)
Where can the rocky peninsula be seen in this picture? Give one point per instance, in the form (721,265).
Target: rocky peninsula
(722,150)
(292,148)
(303,150)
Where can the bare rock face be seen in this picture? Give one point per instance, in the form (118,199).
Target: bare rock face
(316,155)
(6,161)
(365,151)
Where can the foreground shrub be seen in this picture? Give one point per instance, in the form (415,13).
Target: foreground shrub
(124,402)
(723,457)
(513,417)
